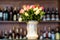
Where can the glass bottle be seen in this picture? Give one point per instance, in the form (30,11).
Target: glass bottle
(52,34)
(10,34)
(11,14)
(5,14)
(15,14)
(48,14)
(17,33)
(24,35)
(1,14)
(49,32)
(20,33)
(57,34)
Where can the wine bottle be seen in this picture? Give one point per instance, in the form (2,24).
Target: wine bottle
(41,35)
(52,35)
(24,35)
(1,14)
(53,14)
(10,34)
(48,14)
(5,14)
(49,32)
(6,34)
(21,34)
(11,14)
(14,14)
(18,15)
(1,34)
(57,34)
(13,33)
(17,33)
(44,33)
(56,14)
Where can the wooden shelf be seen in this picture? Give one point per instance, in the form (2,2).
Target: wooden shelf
(25,22)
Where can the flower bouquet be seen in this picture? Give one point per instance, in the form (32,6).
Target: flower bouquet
(32,12)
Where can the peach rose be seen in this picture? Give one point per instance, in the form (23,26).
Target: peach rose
(21,11)
(41,8)
(24,7)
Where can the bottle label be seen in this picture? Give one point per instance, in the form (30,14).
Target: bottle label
(0,14)
(44,35)
(57,35)
(5,16)
(52,36)
(49,34)
(14,17)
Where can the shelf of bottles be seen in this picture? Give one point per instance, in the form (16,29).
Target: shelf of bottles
(19,33)
(12,15)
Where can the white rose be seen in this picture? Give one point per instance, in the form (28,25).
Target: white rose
(37,12)
(41,8)
(26,14)
(35,9)
(20,19)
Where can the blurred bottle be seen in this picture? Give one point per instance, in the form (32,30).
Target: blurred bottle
(10,34)
(21,37)
(53,14)
(11,14)
(25,33)
(17,33)
(52,34)
(13,32)
(6,34)
(44,33)
(1,14)
(57,34)
(15,14)
(5,14)
(56,14)
(48,14)
(41,35)
(49,32)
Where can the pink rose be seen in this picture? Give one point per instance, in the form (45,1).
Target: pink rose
(42,7)
(21,11)
(28,7)
(32,6)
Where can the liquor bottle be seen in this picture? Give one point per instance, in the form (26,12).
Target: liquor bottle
(44,33)
(48,14)
(53,14)
(10,34)
(52,35)
(56,14)
(5,14)
(15,14)
(44,17)
(24,37)
(13,33)
(20,34)
(11,13)
(57,34)
(6,34)
(1,14)
(18,15)
(17,33)
(49,32)
(41,35)
(1,35)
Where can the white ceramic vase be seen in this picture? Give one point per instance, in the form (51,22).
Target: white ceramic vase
(32,30)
